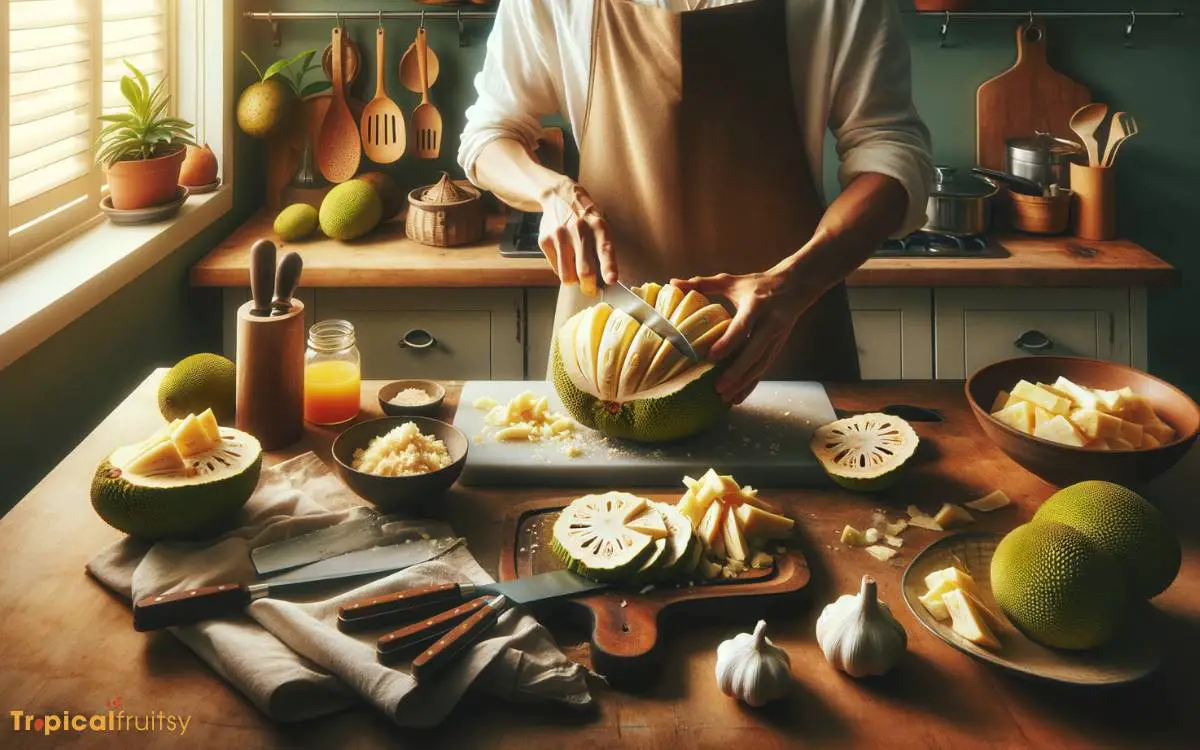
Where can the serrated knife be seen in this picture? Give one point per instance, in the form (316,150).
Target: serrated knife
(193,605)
(627,301)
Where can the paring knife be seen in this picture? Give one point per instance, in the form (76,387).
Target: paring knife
(262,276)
(287,278)
(626,300)
(364,528)
(194,605)
(417,603)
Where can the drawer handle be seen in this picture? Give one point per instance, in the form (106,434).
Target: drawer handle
(1034,341)
(418,338)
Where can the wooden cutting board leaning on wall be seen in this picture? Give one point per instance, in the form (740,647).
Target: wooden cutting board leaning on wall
(1028,98)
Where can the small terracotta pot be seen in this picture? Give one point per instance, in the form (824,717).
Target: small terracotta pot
(143,183)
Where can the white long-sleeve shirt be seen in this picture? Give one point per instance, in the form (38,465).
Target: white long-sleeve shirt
(850,71)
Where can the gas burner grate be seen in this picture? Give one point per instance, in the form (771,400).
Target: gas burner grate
(937,245)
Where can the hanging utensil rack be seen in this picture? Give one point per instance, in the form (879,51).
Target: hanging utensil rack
(1130,17)
(460,16)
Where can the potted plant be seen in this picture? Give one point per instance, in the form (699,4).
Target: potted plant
(142,150)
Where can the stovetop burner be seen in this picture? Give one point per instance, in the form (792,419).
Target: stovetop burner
(521,233)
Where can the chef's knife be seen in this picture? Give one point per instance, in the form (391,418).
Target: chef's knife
(287,278)
(262,276)
(187,607)
(364,528)
(627,301)
(416,603)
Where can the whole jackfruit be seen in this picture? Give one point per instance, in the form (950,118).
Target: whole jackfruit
(196,383)
(350,210)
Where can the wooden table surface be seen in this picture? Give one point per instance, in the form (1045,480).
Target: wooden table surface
(67,644)
(386,258)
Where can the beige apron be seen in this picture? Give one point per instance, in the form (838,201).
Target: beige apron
(692,149)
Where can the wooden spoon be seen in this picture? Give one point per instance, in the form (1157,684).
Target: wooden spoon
(351,61)
(1085,122)
(338,147)
(410,67)
(383,133)
(426,120)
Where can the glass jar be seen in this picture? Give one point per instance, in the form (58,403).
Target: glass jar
(332,373)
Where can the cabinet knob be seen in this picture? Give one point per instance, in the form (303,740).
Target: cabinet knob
(417,338)
(1034,341)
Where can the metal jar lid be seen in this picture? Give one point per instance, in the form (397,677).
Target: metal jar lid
(948,182)
(1043,148)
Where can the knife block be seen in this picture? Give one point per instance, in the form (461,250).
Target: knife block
(270,376)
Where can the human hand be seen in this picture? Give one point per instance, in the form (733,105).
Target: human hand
(767,306)
(574,237)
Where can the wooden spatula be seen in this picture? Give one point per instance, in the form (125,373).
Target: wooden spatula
(1085,122)
(383,134)
(426,120)
(338,147)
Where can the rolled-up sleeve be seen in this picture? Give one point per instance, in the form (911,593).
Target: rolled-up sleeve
(871,109)
(515,87)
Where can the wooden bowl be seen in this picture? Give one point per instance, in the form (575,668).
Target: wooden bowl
(416,495)
(1064,464)
(437,394)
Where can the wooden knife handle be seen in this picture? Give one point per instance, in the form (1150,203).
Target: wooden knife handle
(400,642)
(467,632)
(191,606)
(392,608)
(262,276)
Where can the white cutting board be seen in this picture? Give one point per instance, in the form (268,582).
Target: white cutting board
(763,442)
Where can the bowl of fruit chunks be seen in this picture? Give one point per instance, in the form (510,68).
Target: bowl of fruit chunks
(1068,419)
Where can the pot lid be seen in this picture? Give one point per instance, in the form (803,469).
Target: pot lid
(1041,148)
(445,191)
(952,183)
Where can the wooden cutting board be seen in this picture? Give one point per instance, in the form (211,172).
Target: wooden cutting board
(1027,98)
(625,622)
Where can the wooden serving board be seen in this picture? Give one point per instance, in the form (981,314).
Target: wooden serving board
(625,622)
(1029,97)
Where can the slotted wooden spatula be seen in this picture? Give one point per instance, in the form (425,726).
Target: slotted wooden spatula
(338,148)
(426,120)
(383,134)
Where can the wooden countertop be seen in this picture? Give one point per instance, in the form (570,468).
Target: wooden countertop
(386,258)
(65,643)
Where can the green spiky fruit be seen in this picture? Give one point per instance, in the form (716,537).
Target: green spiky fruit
(350,210)
(1122,523)
(296,222)
(1058,587)
(196,383)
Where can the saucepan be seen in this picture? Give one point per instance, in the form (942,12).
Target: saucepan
(960,202)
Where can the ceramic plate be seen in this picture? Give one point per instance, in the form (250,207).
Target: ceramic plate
(1135,653)
(144,215)
(201,189)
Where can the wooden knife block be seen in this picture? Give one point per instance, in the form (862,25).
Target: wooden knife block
(270,376)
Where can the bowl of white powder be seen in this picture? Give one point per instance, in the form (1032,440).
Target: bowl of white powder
(411,398)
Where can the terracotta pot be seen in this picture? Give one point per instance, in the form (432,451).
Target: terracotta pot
(940,5)
(143,183)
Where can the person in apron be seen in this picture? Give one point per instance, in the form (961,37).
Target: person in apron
(693,168)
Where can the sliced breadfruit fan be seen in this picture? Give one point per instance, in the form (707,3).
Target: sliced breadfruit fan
(865,452)
(620,378)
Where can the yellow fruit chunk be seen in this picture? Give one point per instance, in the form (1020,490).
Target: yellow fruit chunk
(1159,430)
(952,515)
(880,553)
(649,522)
(1000,402)
(693,506)
(1112,401)
(967,621)
(735,541)
(759,524)
(191,438)
(853,537)
(1138,409)
(587,339)
(1051,402)
(1056,391)
(1059,430)
(1094,424)
(1149,441)
(711,528)
(940,581)
(208,421)
(614,345)
(1084,398)
(1132,433)
(1041,416)
(994,500)
(692,302)
(666,301)
(934,605)
(162,457)
(1019,416)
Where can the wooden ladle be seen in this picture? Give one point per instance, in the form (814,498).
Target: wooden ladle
(383,133)
(1085,122)
(410,66)
(338,148)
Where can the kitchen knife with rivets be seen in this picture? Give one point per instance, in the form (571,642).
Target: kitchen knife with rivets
(193,605)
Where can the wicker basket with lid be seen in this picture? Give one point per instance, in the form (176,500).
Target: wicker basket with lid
(444,214)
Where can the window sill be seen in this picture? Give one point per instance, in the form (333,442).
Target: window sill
(41,298)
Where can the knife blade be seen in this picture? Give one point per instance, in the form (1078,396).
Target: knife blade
(364,528)
(193,605)
(627,301)
(414,604)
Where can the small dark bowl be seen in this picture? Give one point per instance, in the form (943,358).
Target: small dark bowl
(416,494)
(1065,464)
(389,391)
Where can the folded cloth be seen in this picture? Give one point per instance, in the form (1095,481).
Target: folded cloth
(290,659)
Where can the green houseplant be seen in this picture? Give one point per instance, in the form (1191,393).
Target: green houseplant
(141,150)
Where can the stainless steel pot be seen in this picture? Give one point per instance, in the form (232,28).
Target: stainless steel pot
(1042,158)
(959,203)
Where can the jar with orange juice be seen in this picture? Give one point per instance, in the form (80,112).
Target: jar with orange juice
(332,373)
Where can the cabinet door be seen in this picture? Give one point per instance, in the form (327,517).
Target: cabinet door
(894,333)
(448,334)
(976,327)
(539,324)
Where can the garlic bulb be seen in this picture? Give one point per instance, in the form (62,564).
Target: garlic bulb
(752,669)
(859,635)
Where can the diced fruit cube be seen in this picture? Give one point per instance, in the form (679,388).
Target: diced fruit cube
(1040,417)
(191,438)
(1120,444)
(1149,441)
(735,542)
(758,524)
(935,606)
(693,507)
(1000,402)
(853,537)
(1019,416)
(1056,391)
(994,500)
(711,528)
(1059,430)
(1160,430)
(881,553)
(1132,433)
(1083,397)
(952,515)
(925,522)
(1111,401)
(967,621)
(1051,402)
(1138,409)
(162,457)
(949,578)
(208,421)
(1094,424)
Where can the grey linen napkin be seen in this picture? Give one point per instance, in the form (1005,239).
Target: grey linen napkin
(290,659)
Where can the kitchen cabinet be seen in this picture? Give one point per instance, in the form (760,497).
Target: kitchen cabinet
(894,332)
